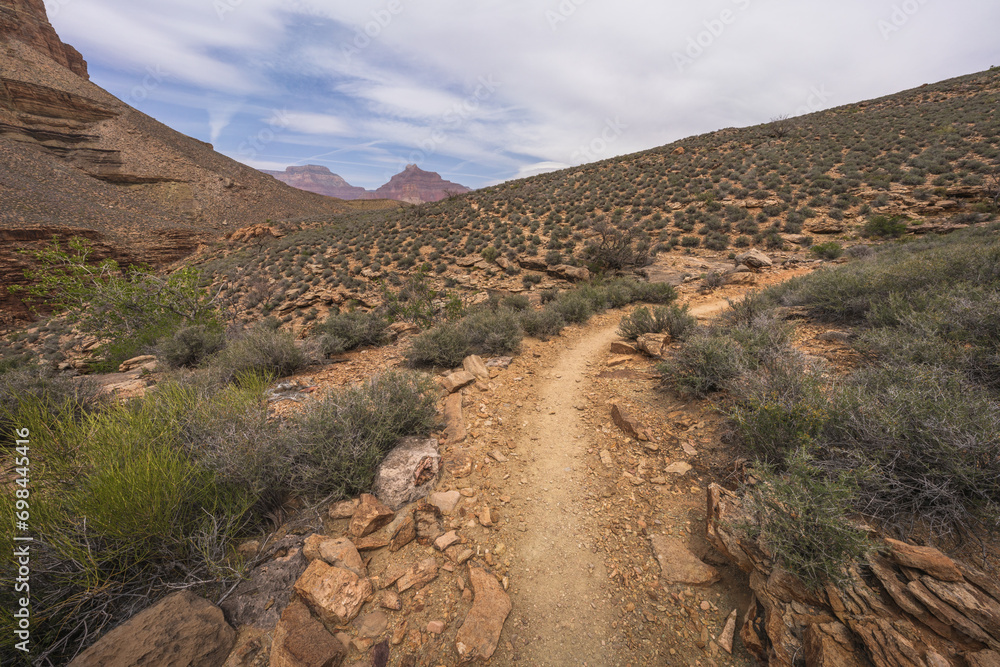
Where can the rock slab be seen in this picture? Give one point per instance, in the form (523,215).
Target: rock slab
(480,633)
(370,516)
(302,641)
(680,566)
(334,594)
(181,630)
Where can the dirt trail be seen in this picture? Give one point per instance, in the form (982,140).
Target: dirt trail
(562,593)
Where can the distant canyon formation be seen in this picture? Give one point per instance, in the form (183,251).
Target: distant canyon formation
(412,185)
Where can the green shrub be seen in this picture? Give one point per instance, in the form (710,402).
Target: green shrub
(678,322)
(515,302)
(827,250)
(542,323)
(800,516)
(343,439)
(574,307)
(258,350)
(492,333)
(76,396)
(346,331)
(446,344)
(190,345)
(706,363)
(884,226)
(671,319)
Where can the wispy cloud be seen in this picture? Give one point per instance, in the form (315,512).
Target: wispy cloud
(378,82)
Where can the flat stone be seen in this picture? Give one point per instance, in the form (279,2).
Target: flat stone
(446,540)
(435,627)
(652,344)
(390,600)
(370,516)
(302,641)
(678,468)
(419,575)
(486,518)
(181,629)
(334,594)
(618,361)
(623,420)
(680,566)
(446,501)
(371,625)
(606,459)
(457,380)
(480,632)
(728,633)
(371,543)
(459,554)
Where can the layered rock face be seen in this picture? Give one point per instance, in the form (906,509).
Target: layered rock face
(26,21)
(75,160)
(412,185)
(320,180)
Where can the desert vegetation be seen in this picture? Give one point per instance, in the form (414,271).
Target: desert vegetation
(909,440)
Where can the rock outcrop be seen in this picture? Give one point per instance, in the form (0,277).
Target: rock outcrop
(27,22)
(412,185)
(914,608)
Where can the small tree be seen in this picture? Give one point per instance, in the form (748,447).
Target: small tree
(110,300)
(617,247)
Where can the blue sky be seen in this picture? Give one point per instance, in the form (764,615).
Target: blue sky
(482,91)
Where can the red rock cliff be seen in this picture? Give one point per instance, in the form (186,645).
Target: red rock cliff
(26,21)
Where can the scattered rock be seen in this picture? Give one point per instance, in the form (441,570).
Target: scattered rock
(678,468)
(754,259)
(371,543)
(181,629)
(454,420)
(370,516)
(428,523)
(390,600)
(606,459)
(408,473)
(419,575)
(480,632)
(455,381)
(334,594)
(371,625)
(302,641)
(740,278)
(345,509)
(435,627)
(404,533)
(486,518)
(500,362)
(446,501)
(446,540)
(728,632)
(621,347)
(475,366)
(339,552)
(680,566)
(625,421)
(261,598)
(653,344)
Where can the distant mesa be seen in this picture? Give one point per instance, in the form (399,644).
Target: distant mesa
(412,185)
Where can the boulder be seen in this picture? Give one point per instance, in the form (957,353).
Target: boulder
(455,381)
(474,364)
(532,263)
(567,272)
(409,472)
(621,347)
(480,632)
(336,551)
(302,641)
(653,344)
(259,600)
(334,594)
(144,362)
(754,259)
(181,630)
(370,516)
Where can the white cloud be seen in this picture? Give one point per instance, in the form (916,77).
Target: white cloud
(314,123)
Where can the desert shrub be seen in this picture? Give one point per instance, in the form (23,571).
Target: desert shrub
(189,345)
(346,331)
(800,516)
(258,350)
(670,319)
(884,226)
(41,385)
(574,307)
(677,321)
(712,280)
(446,344)
(549,295)
(492,333)
(653,292)
(515,302)
(706,363)
(827,250)
(343,439)
(616,246)
(542,323)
